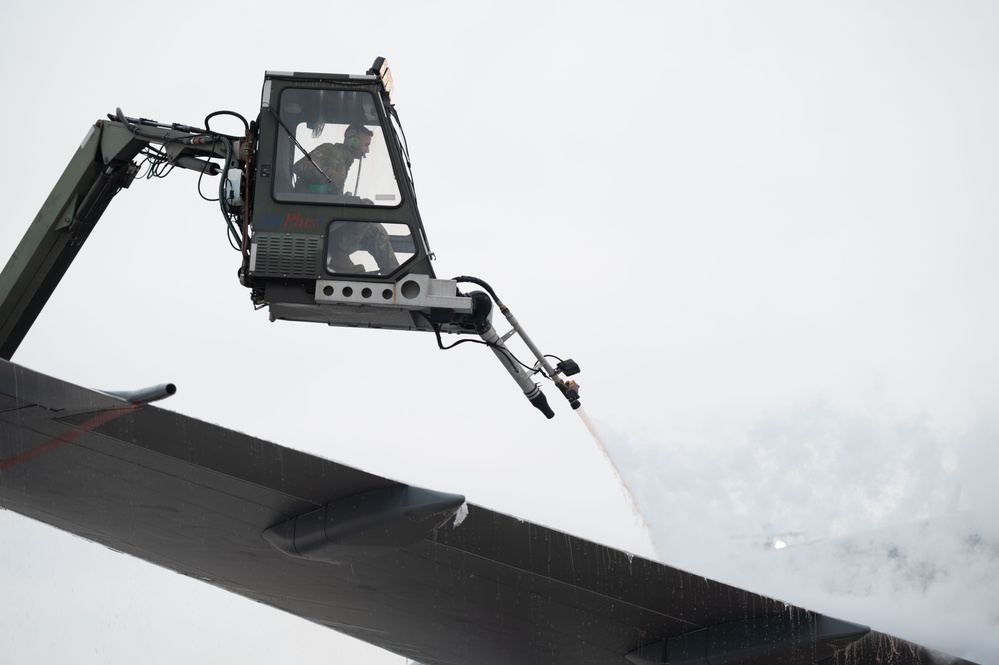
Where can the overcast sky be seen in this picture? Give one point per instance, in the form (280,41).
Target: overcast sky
(766,231)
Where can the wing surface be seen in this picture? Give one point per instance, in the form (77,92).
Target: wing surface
(414,571)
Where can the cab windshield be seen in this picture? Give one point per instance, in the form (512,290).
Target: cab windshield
(331,149)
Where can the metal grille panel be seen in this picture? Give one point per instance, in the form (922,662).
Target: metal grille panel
(287,256)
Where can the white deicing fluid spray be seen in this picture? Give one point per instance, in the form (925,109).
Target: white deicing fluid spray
(635,510)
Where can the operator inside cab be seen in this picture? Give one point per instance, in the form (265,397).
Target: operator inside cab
(324,170)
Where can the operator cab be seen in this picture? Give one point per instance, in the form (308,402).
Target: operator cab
(335,233)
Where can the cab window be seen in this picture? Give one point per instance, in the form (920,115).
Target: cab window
(331,150)
(372,248)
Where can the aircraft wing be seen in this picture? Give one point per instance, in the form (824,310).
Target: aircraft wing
(417,572)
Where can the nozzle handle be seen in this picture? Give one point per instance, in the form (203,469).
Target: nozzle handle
(540,403)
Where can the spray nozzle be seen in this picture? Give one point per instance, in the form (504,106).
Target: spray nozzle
(571,391)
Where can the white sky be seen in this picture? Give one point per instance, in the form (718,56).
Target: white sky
(766,231)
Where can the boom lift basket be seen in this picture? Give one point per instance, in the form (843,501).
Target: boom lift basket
(332,212)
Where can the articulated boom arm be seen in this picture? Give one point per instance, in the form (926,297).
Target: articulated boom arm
(101,167)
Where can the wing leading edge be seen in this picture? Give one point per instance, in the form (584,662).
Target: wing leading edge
(429,577)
